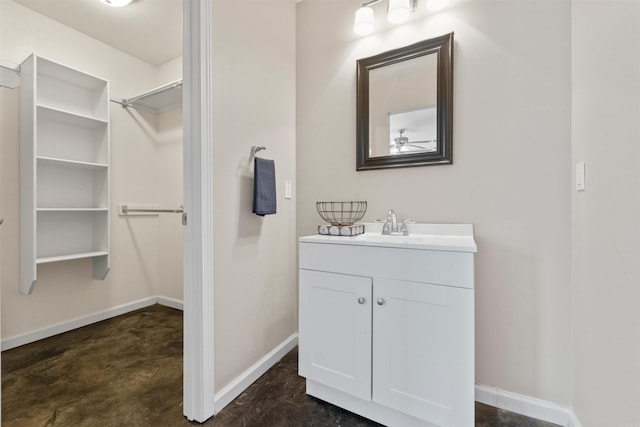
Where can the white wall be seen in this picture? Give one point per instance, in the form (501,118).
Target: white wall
(165,128)
(66,290)
(254,104)
(511,170)
(606,216)
(171,239)
(169,71)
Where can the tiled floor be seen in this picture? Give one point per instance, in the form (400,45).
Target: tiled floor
(127,371)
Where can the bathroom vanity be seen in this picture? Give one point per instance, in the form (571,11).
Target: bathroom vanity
(387,323)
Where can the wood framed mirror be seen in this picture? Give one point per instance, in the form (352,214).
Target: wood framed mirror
(404,108)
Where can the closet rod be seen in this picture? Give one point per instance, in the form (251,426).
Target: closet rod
(126,209)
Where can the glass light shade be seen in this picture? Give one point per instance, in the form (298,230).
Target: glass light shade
(437,4)
(116,3)
(363,24)
(399,11)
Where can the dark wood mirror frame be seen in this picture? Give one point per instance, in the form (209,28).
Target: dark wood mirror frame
(443,46)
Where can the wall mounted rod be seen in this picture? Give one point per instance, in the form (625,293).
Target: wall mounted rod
(126,209)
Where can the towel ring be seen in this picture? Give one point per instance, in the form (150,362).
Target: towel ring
(256,148)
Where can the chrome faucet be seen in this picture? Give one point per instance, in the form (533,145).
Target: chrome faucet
(392,228)
(391,224)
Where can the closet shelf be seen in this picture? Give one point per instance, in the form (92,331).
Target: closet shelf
(158,100)
(55,73)
(67,257)
(47,112)
(9,74)
(53,161)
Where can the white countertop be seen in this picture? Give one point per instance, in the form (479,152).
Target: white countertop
(440,237)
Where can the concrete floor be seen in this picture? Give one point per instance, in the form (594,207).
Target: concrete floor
(127,371)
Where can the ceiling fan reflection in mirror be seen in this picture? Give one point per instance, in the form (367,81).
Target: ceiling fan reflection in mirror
(401,144)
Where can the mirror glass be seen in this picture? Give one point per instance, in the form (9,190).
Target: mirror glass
(404,108)
(413,131)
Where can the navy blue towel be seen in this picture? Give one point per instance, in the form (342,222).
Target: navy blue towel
(264,187)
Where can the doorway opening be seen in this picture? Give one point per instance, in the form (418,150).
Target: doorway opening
(146,156)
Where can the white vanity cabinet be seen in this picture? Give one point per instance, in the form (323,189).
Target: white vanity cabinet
(386,327)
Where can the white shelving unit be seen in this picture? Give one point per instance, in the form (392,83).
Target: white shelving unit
(64,168)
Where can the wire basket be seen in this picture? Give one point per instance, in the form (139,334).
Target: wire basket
(341,213)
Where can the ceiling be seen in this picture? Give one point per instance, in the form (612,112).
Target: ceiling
(150,30)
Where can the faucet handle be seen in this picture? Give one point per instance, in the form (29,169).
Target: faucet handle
(405,229)
(386,228)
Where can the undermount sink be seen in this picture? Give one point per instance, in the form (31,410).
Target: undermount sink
(445,237)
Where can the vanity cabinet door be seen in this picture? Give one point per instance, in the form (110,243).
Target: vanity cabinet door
(423,351)
(335,331)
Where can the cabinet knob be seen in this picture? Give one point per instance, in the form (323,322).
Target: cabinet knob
(380,301)
(361,300)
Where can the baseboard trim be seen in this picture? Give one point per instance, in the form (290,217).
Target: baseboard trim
(170,302)
(526,405)
(573,420)
(79,322)
(248,377)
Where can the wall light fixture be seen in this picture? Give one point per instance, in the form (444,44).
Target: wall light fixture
(398,11)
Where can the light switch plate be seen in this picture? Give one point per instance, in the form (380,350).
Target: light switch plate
(287,189)
(580,176)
